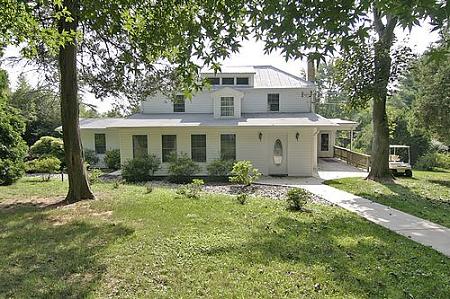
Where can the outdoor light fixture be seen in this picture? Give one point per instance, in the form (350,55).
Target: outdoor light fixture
(297,135)
(260,136)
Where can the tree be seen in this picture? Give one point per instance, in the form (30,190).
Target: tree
(40,108)
(316,29)
(124,48)
(432,103)
(12,147)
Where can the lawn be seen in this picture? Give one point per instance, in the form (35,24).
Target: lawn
(132,244)
(426,195)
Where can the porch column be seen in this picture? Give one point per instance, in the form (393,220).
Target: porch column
(351,139)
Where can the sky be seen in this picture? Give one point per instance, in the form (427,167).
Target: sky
(251,53)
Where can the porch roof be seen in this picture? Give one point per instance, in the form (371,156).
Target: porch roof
(208,120)
(345,124)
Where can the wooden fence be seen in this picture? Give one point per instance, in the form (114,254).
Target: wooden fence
(352,158)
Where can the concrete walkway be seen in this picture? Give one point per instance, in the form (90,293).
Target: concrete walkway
(422,231)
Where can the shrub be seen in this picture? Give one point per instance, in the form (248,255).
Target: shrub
(12,147)
(244,173)
(112,159)
(192,190)
(48,146)
(140,169)
(433,160)
(94,176)
(242,198)
(182,168)
(45,165)
(297,198)
(90,157)
(220,168)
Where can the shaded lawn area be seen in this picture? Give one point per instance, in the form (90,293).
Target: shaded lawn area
(426,195)
(132,244)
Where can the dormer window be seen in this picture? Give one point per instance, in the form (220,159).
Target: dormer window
(214,81)
(228,81)
(242,81)
(179,104)
(226,106)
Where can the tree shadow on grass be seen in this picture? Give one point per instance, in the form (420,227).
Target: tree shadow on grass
(348,255)
(44,259)
(443,183)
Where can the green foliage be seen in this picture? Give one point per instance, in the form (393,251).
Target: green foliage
(433,160)
(44,165)
(242,198)
(90,157)
(140,169)
(297,198)
(12,147)
(40,107)
(94,176)
(48,146)
(432,103)
(182,168)
(112,159)
(191,190)
(244,173)
(220,168)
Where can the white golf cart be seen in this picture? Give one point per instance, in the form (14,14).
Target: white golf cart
(400,160)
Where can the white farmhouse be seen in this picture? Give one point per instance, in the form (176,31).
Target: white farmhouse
(257,113)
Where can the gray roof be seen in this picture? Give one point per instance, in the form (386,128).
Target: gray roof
(270,76)
(208,120)
(266,76)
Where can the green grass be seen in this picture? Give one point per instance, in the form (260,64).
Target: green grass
(426,195)
(132,244)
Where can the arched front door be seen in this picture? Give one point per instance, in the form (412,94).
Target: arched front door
(278,154)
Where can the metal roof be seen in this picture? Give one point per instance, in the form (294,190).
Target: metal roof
(270,76)
(265,76)
(208,120)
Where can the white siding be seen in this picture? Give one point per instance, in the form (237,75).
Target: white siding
(300,154)
(254,101)
(200,103)
(291,100)
(88,141)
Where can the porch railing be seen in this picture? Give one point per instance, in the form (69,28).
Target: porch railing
(352,158)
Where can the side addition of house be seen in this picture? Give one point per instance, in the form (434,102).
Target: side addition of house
(257,113)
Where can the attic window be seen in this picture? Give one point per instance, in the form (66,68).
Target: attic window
(242,81)
(228,81)
(214,81)
(179,104)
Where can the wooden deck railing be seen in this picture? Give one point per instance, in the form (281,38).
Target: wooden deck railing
(352,158)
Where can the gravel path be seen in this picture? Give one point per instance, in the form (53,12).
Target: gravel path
(270,191)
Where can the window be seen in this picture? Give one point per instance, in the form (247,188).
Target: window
(324,142)
(214,81)
(226,106)
(198,148)
(278,152)
(228,81)
(242,81)
(169,147)
(228,146)
(273,102)
(178,104)
(100,143)
(140,148)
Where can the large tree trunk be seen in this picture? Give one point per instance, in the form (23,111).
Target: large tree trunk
(380,144)
(78,182)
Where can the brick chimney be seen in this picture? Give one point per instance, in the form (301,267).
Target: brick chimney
(311,71)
